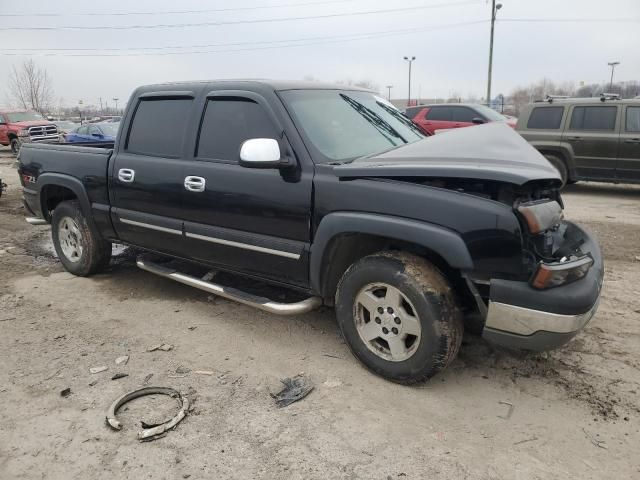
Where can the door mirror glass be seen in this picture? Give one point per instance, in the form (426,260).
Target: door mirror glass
(477,120)
(260,153)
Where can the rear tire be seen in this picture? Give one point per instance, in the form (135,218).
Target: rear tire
(560,166)
(80,250)
(399,317)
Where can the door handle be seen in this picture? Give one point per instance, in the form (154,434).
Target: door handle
(126,175)
(575,139)
(632,140)
(194,184)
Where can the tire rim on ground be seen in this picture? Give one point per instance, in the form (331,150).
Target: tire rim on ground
(387,322)
(70,239)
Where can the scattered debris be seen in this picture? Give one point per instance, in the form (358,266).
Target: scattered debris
(532,439)
(332,383)
(204,372)
(93,382)
(193,327)
(182,370)
(60,337)
(147,378)
(330,355)
(119,375)
(509,413)
(595,441)
(123,360)
(157,431)
(295,389)
(98,369)
(66,392)
(7,319)
(165,347)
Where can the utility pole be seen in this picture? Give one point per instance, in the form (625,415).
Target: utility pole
(115,99)
(613,67)
(389,87)
(410,60)
(494,10)
(101,109)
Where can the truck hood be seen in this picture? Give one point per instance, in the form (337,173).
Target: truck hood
(493,151)
(30,123)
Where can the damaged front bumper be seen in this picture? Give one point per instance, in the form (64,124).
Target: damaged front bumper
(523,317)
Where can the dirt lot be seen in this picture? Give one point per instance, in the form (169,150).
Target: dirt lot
(571,413)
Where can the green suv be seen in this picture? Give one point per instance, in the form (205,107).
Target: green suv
(586,138)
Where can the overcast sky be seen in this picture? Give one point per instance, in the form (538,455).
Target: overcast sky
(450,59)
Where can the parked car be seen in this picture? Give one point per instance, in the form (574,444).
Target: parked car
(586,138)
(446,116)
(93,132)
(19,127)
(332,193)
(65,126)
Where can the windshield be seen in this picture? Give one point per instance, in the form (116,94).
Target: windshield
(342,125)
(110,129)
(490,113)
(24,116)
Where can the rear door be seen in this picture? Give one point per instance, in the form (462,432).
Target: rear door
(147,173)
(438,118)
(253,220)
(628,164)
(592,133)
(4,137)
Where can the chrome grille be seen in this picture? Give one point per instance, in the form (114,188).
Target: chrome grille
(43,132)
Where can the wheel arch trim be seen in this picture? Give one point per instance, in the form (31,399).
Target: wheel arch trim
(442,241)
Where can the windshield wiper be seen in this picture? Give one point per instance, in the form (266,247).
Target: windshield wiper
(373,118)
(401,118)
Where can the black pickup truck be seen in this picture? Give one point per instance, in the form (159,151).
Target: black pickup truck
(331,192)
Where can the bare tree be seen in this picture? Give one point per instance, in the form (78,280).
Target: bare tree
(30,87)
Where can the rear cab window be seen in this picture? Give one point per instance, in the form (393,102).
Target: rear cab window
(596,118)
(545,118)
(158,127)
(227,123)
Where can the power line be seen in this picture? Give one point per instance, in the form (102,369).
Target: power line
(301,42)
(174,12)
(569,20)
(254,42)
(239,22)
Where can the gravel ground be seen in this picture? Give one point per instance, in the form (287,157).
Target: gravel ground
(571,413)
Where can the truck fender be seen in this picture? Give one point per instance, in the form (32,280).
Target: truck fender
(442,241)
(66,181)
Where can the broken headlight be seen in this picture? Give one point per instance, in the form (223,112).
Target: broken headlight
(549,275)
(541,215)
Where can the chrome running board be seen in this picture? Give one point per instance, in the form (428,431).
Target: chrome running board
(236,295)
(36,221)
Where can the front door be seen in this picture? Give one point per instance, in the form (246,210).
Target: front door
(4,136)
(592,134)
(248,219)
(147,174)
(628,165)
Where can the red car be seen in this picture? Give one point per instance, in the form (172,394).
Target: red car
(444,116)
(17,128)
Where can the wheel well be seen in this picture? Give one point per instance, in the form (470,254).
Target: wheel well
(52,195)
(562,157)
(346,249)
(12,136)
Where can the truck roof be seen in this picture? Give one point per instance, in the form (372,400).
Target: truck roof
(272,84)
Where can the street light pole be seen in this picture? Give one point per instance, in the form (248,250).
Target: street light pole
(613,67)
(116,100)
(389,87)
(410,60)
(494,10)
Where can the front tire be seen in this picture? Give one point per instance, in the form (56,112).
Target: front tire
(80,250)
(15,146)
(399,317)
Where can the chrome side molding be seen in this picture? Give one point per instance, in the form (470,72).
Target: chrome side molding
(236,295)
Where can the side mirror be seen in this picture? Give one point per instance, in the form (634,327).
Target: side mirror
(261,153)
(477,120)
